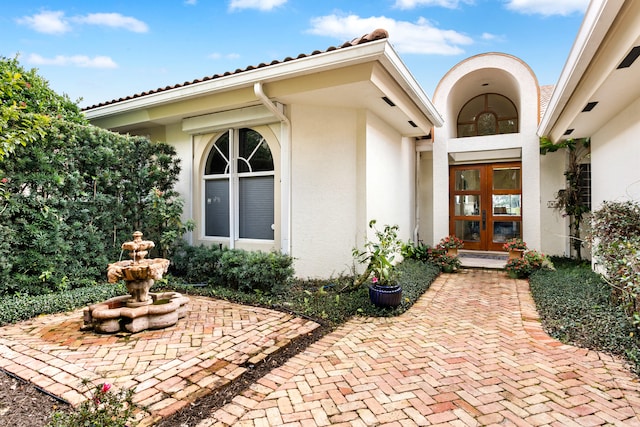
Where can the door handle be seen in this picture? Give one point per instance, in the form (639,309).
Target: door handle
(484,220)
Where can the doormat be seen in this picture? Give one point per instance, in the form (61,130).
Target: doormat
(482,255)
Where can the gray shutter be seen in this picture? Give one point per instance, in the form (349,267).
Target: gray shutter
(256,207)
(216,209)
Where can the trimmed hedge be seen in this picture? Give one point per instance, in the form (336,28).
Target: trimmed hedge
(22,307)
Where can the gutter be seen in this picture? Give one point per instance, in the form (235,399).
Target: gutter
(285,167)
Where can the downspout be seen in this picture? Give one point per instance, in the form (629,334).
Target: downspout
(416,231)
(285,168)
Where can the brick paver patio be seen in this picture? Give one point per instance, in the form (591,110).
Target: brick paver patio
(166,368)
(470,352)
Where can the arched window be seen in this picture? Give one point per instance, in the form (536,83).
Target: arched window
(487,114)
(239,191)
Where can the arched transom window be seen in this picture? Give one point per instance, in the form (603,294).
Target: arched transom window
(239,192)
(487,114)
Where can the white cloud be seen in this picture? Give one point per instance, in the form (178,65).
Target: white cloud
(255,4)
(548,7)
(47,22)
(75,61)
(114,20)
(412,4)
(191,2)
(407,37)
(489,36)
(55,22)
(217,55)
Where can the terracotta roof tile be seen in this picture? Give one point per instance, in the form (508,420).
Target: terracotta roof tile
(374,35)
(545,97)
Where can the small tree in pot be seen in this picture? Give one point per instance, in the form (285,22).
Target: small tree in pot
(380,258)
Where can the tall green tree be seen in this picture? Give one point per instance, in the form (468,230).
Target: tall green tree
(72,193)
(27,105)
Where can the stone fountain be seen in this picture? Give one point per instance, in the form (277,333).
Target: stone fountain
(140,309)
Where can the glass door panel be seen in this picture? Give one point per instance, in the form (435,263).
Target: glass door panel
(506,204)
(485,204)
(468,180)
(467,205)
(469,231)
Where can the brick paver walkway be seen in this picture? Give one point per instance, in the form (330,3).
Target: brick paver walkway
(166,368)
(470,352)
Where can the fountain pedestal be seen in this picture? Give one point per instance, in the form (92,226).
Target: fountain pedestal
(140,309)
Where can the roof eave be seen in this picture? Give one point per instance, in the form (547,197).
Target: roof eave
(378,50)
(598,19)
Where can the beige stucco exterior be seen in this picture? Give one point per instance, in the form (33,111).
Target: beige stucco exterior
(602,70)
(354,138)
(487,73)
(342,154)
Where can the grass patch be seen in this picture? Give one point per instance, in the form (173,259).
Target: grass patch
(575,307)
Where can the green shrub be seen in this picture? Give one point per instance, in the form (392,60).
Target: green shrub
(616,228)
(237,269)
(196,264)
(105,408)
(70,199)
(574,305)
(22,307)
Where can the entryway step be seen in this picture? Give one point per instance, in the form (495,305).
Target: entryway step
(482,259)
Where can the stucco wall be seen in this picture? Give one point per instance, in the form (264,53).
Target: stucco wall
(554,227)
(615,158)
(324,189)
(425,197)
(390,177)
(508,76)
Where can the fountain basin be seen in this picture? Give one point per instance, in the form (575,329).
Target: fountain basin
(137,270)
(114,315)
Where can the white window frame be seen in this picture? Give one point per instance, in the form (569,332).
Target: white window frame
(231,174)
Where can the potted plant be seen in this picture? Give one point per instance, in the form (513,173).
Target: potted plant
(380,258)
(451,244)
(518,268)
(516,247)
(447,263)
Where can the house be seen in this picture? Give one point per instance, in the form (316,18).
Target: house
(296,155)
(598,97)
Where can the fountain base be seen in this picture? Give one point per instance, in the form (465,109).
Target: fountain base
(116,314)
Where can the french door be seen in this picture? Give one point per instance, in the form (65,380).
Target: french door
(485,204)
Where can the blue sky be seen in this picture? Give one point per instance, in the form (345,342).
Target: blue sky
(103,50)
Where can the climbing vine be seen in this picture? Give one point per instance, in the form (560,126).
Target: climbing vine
(568,200)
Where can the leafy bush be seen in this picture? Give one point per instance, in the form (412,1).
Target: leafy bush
(574,305)
(531,261)
(105,409)
(71,199)
(22,307)
(616,228)
(236,269)
(70,193)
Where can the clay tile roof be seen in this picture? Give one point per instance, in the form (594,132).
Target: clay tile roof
(374,35)
(545,97)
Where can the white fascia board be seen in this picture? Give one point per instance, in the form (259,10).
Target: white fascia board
(337,58)
(598,19)
(394,65)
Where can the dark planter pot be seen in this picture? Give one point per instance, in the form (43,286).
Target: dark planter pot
(385,296)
